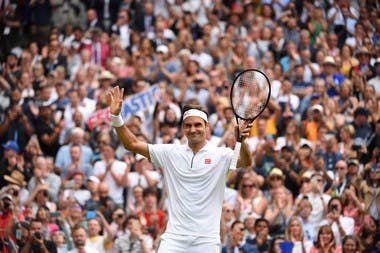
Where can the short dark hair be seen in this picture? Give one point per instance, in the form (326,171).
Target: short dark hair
(149,191)
(236,222)
(261,220)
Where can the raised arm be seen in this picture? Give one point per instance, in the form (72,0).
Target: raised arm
(129,140)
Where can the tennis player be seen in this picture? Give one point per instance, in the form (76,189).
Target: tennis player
(194,175)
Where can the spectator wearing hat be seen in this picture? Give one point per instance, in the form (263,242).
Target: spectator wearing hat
(366,69)
(315,120)
(105,82)
(163,69)
(331,76)
(280,205)
(16,187)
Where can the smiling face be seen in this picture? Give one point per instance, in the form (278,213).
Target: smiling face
(349,246)
(195,129)
(325,235)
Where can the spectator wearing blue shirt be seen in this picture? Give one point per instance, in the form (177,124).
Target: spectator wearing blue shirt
(332,78)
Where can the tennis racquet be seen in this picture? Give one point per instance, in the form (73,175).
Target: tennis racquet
(249,96)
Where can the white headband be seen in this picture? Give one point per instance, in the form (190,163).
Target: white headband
(195,112)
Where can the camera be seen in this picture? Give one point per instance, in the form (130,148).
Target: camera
(7,204)
(120,215)
(45,193)
(38,235)
(334,207)
(357,144)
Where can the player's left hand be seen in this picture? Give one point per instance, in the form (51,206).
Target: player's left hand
(245,130)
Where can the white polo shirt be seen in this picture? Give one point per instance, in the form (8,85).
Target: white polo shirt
(195,185)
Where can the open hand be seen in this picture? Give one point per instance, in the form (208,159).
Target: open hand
(115,100)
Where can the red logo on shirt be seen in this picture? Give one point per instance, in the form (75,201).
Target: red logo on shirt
(207,161)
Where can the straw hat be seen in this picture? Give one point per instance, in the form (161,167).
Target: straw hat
(329,60)
(362,51)
(16,177)
(106,75)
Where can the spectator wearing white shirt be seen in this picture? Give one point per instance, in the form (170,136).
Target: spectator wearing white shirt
(144,175)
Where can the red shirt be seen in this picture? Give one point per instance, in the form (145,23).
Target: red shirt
(160,222)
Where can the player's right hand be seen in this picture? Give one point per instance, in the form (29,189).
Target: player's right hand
(115,100)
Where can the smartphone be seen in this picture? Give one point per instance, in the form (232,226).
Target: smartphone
(69,184)
(54,214)
(90,215)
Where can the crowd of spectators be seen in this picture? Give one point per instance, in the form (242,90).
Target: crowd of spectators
(68,186)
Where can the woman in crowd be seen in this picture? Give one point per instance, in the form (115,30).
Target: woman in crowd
(49,227)
(279,211)
(250,199)
(353,206)
(346,135)
(325,242)
(351,244)
(294,233)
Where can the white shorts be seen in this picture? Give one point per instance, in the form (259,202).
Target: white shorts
(187,244)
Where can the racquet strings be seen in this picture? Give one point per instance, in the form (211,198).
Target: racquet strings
(250,94)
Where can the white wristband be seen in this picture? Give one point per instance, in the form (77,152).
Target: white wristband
(117,121)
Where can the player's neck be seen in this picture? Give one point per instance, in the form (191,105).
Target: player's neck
(197,146)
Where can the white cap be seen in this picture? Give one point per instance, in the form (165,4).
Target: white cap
(317,107)
(93,179)
(162,49)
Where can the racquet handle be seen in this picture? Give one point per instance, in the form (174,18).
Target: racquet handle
(235,156)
